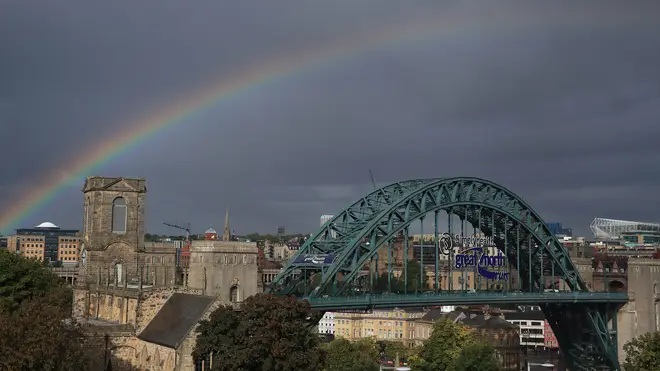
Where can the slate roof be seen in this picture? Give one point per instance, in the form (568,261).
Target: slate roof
(532,315)
(175,319)
(491,322)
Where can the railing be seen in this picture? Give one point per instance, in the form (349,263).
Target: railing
(465,298)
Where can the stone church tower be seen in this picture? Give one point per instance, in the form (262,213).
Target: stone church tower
(113,227)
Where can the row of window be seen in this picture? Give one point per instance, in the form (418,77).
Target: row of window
(28,245)
(380,323)
(226,259)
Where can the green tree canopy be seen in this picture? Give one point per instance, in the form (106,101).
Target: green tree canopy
(394,348)
(269,333)
(643,353)
(35,310)
(477,357)
(411,285)
(344,355)
(23,279)
(443,348)
(39,336)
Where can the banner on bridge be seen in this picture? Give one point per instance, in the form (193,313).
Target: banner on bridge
(314,259)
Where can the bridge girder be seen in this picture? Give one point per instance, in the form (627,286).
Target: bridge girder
(354,236)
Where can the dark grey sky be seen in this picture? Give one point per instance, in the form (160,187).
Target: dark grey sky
(559,103)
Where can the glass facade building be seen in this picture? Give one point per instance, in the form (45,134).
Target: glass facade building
(49,235)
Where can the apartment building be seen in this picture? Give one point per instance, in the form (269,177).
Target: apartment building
(327,324)
(397,324)
(532,327)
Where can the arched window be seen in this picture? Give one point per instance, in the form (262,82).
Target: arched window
(87,207)
(119,273)
(233,294)
(119,216)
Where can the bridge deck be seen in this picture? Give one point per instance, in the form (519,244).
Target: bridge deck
(462,298)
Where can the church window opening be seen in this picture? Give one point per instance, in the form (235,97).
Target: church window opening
(87,206)
(119,215)
(233,294)
(118,272)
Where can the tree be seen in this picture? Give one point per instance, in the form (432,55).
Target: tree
(415,273)
(38,335)
(443,348)
(37,331)
(343,355)
(269,333)
(392,349)
(643,353)
(477,357)
(400,285)
(23,278)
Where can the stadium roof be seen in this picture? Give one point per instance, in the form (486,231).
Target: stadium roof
(611,229)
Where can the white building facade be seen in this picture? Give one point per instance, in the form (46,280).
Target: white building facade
(327,324)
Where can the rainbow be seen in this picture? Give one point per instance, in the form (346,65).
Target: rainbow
(36,197)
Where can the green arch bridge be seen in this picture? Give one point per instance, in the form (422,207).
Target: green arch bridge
(487,247)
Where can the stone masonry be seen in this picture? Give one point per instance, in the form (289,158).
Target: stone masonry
(227,269)
(103,248)
(642,312)
(124,283)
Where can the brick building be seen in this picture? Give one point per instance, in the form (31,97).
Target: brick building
(549,338)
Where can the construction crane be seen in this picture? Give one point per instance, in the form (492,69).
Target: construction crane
(186,228)
(373,181)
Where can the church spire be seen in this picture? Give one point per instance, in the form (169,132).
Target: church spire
(226,235)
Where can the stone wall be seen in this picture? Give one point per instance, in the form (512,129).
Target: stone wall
(642,313)
(99,195)
(218,267)
(185,359)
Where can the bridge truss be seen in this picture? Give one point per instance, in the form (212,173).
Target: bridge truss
(328,270)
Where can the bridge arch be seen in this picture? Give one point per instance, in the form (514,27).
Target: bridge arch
(348,242)
(355,235)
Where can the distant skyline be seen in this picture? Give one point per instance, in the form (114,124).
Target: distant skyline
(558,102)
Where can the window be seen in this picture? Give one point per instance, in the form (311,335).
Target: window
(233,294)
(119,216)
(87,206)
(118,273)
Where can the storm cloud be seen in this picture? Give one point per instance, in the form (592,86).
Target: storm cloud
(558,102)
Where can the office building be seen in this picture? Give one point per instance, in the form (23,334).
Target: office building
(47,242)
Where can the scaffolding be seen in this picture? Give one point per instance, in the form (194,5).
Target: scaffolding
(612,229)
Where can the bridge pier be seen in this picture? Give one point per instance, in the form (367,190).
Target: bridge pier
(583,332)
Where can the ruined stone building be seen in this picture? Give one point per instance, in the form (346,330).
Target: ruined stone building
(132,291)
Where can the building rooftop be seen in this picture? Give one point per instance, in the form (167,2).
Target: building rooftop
(532,315)
(492,322)
(46,225)
(175,319)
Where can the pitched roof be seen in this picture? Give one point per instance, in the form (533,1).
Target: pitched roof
(175,319)
(532,315)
